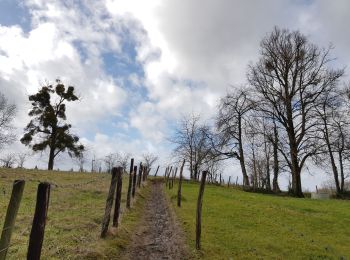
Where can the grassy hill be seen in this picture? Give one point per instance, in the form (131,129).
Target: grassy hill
(76,208)
(241,225)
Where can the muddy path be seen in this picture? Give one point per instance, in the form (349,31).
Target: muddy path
(158,235)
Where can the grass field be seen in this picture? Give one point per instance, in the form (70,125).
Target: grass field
(76,208)
(241,225)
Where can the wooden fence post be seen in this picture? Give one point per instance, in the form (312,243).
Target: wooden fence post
(109,203)
(199,211)
(228,184)
(180,185)
(166,172)
(140,176)
(144,174)
(167,177)
(155,175)
(134,181)
(130,184)
(12,210)
(118,196)
(174,178)
(38,228)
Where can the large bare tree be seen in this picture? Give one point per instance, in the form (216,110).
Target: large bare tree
(289,79)
(335,128)
(232,116)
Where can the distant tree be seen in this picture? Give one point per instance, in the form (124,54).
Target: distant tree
(191,143)
(289,79)
(7,114)
(123,160)
(20,159)
(80,161)
(149,159)
(48,128)
(8,160)
(110,161)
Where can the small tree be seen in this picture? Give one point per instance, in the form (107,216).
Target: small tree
(20,159)
(8,160)
(7,114)
(48,124)
(149,159)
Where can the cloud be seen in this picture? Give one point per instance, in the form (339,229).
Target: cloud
(177,57)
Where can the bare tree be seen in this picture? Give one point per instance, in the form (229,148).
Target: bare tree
(191,143)
(230,122)
(149,159)
(335,129)
(289,79)
(80,161)
(7,114)
(123,159)
(8,160)
(110,160)
(20,159)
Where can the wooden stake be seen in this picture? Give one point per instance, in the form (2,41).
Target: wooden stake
(109,203)
(130,183)
(12,210)
(199,211)
(180,185)
(134,181)
(118,196)
(38,228)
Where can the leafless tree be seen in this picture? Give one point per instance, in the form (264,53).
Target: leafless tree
(191,143)
(7,114)
(289,79)
(20,159)
(8,160)
(123,159)
(110,160)
(149,159)
(80,161)
(335,128)
(230,122)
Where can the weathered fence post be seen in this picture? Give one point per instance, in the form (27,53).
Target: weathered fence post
(38,228)
(167,177)
(228,183)
(155,175)
(144,174)
(118,196)
(12,210)
(199,211)
(109,204)
(140,176)
(180,185)
(130,184)
(166,173)
(134,181)
(174,178)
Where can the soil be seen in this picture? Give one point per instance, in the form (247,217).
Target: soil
(158,235)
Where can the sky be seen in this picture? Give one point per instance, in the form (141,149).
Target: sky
(138,66)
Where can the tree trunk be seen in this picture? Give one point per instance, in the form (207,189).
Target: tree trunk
(241,154)
(275,185)
(342,178)
(51,158)
(331,157)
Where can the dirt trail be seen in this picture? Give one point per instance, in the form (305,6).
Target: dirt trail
(158,236)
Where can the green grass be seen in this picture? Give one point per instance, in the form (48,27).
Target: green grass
(77,203)
(242,225)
